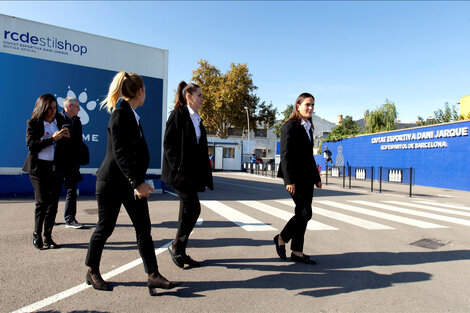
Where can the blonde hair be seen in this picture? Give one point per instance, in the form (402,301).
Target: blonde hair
(123,85)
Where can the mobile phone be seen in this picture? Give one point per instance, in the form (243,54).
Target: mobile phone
(66,126)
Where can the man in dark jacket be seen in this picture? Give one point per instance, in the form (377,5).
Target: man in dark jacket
(70,150)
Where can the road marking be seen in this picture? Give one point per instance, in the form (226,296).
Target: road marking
(343,217)
(245,186)
(446,205)
(74,290)
(424,207)
(244,221)
(386,216)
(445,196)
(284,215)
(413,212)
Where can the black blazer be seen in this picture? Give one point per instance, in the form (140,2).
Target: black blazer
(35,143)
(297,162)
(68,151)
(127,155)
(186,165)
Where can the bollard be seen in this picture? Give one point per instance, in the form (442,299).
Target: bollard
(411,178)
(349,169)
(372,179)
(380,179)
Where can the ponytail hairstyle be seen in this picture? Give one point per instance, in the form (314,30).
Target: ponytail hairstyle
(125,85)
(43,103)
(182,91)
(295,113)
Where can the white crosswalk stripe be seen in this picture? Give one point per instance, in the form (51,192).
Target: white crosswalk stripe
(426,207)
(446,205)
(246,222)
(414,212)
(284,215)
(342,217)
(386,216)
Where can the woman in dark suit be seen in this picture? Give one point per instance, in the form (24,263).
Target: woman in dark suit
(120,180)
(186,165)
(300,174)
(42,133)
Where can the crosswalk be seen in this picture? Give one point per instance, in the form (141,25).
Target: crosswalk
(338,214)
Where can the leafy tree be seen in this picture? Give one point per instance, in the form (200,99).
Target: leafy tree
(382,119)
(286,113)
(442,116)
(227,95)
(347,128)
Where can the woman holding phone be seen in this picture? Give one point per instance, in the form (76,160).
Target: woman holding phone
(43,131)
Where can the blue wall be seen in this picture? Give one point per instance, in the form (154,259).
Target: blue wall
(438,154)
(24,79)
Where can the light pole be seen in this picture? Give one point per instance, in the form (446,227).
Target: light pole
(248,118)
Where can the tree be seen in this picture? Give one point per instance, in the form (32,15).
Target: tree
(286,113)
(227,95)
(448,115)
(382,119)
(347,128)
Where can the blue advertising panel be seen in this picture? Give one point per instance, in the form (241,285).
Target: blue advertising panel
(24,79)
(438,154)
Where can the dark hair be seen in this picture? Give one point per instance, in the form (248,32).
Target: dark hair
(127,84)
(182,91)
(43,103)
(295,112)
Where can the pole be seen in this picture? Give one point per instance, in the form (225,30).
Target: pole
(326,176)
(248,119)
(349,169)
(411,179)
(380,181)
(344,176)
(372,180)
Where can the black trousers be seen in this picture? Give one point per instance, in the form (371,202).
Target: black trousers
(190,209)
(296,226)
(47,185)
(70,199)
(110,196)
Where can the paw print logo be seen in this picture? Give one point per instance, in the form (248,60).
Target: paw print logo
(82,98)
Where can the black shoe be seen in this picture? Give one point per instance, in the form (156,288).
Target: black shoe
(302,259)
(177,258)
(37,241)
(280,249)
(156,280)
(74,224)
(188,260)
(96,281)
(50,244)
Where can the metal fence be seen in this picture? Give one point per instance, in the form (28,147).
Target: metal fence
(363,176)
(371,174)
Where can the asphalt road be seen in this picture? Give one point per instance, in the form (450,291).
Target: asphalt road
(361,240)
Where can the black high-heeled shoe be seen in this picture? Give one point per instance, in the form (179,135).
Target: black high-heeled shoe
(96,281)
(37,241)
(156,280)
(50,244)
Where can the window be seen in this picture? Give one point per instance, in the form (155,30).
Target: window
(229,153)
(260,153)
(234,132)
(261,133)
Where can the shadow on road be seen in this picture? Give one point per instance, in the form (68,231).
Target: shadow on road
(328,277)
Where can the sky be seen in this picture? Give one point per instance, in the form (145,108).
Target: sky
(351,55)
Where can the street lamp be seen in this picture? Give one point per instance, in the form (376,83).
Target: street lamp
(248,118)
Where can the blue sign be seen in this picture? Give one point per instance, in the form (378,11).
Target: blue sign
(438,154)
(24,79)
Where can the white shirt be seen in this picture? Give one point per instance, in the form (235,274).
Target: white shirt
(47,153)
(307,125)
(196,122)
(137,118)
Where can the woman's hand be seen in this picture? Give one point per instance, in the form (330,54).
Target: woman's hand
(144,190)
(319,185)
(63,133)
(290,188)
